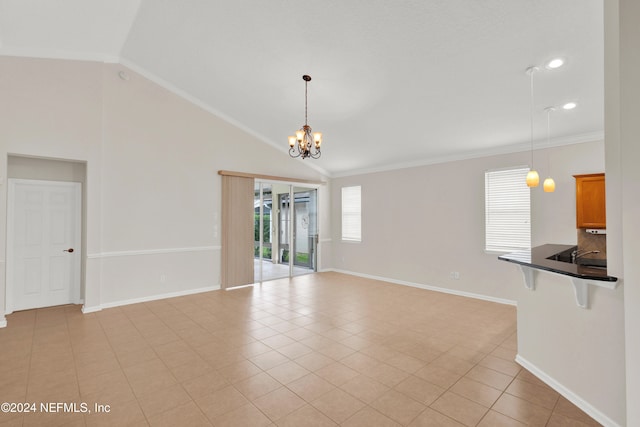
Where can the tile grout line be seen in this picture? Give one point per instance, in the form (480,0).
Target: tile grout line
(163,363)
(73,358)
(33,338)
(250,402)
(118,359)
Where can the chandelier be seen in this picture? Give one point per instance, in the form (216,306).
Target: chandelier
(305,143)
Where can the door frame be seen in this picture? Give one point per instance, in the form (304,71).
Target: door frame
(11,187)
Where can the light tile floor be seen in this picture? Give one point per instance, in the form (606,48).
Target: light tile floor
(317,350)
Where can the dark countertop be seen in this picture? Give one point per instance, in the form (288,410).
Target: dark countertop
(537,258)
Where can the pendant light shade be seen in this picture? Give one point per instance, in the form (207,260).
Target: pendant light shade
(533,179)
(549,185)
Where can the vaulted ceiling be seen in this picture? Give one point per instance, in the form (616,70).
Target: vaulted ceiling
(395,83)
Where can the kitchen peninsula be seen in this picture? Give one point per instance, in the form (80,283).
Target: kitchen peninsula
(558,259)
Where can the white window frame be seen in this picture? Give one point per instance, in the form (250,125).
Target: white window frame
(351,209)
(507,210)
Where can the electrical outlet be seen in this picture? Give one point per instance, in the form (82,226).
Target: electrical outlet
(163,278)
(454,275)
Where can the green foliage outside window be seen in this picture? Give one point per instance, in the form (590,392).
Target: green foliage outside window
(266,223)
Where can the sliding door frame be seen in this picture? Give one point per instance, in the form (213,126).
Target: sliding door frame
(269,179)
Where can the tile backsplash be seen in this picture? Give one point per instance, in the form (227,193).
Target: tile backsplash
(592,242)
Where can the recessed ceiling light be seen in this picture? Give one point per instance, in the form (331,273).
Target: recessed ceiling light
(123,75)
(569,106)
(555,63)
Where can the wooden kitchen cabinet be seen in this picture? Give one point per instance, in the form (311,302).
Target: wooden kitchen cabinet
(590,201)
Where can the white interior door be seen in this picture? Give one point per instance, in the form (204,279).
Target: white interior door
(43,243)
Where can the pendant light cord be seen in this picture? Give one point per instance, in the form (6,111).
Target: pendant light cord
(532,70)
(305,102)
(549,110)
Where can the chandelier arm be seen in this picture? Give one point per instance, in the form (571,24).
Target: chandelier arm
(293,153)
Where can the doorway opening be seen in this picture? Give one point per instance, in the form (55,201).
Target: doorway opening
(285,230)
(46,209)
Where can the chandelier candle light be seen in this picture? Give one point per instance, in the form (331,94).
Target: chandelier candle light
(305,143)
(533,179)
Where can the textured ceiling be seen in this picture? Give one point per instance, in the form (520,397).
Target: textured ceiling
(395,83)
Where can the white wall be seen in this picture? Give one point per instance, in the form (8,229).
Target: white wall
(421,224)
(630,150)
(622,91)
(153,192)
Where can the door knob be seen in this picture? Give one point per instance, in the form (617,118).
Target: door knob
(70,250)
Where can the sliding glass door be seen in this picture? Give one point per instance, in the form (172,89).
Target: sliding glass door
(285,230)
(305,230)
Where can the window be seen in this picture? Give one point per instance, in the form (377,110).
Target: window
(351,214)
(507,210)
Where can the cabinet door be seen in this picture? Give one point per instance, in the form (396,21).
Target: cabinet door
(590,201)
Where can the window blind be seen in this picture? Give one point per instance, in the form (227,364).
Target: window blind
(351,213)
(507,210)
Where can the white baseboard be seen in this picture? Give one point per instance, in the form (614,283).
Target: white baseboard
(568,394)
(3,322)
(427,287)
(150,298)
(87,310)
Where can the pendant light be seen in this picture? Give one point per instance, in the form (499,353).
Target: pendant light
(533,179)
(549,184)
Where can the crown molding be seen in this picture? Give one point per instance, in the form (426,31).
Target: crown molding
(59,54)
(506,149)
(200,103)
(114,59)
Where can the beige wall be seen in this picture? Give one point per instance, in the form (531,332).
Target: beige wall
(46,169)
(53,109)
(153,192)
(145,146)
(421,224)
